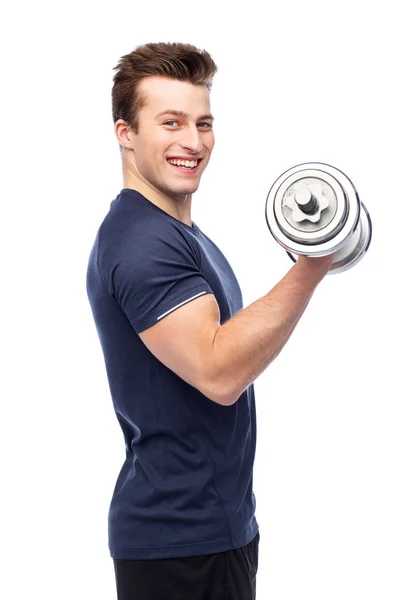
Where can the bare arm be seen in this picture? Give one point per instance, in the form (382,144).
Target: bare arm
(245,345)
(221,361)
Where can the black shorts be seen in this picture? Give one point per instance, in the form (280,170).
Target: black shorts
(227,575)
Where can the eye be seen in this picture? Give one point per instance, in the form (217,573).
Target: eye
(206,125)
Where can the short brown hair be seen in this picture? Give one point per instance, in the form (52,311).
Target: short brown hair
(183,62)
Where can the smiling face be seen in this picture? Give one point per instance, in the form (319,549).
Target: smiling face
(175,123)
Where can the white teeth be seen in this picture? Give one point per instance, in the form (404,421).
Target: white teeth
(184,163)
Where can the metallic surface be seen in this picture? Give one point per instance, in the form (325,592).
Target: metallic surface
(313,209)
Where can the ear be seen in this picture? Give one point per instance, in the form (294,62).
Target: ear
(123,134)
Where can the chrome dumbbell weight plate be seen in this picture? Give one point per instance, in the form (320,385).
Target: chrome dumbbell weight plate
(314,209)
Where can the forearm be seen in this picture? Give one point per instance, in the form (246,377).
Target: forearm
(246,344)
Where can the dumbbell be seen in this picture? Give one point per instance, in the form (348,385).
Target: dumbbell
(313,209)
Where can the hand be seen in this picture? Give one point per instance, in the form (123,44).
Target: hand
(317,265)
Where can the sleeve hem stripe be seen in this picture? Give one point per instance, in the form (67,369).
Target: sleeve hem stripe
(178,305)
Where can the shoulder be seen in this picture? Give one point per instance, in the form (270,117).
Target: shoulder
(146,247)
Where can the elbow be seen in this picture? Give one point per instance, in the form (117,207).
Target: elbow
(218,385)
(219,393)
(222,399)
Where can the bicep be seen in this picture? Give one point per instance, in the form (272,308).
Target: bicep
(183,342)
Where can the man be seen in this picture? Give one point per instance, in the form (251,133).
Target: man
(181,353)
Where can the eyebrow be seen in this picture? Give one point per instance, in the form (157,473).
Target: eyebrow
(181,113)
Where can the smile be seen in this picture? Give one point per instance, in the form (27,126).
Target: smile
(186,166)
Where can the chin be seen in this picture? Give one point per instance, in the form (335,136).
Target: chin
(184,191)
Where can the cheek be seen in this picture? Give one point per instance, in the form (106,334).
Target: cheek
(149,159)
(211,142)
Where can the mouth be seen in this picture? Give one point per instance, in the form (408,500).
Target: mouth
(187,167)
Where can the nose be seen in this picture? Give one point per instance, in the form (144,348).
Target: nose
(192,140)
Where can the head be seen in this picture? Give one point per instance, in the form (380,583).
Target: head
(161,111)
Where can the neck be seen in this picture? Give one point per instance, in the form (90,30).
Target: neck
(178,207)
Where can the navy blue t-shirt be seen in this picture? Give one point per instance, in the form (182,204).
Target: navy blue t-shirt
(186,486)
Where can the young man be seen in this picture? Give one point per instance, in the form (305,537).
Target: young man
(180,351)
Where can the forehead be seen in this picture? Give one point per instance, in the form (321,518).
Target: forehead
(161,93)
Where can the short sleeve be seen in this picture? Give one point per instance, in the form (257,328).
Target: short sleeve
(153,276)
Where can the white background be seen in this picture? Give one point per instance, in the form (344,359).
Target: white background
(335,467)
